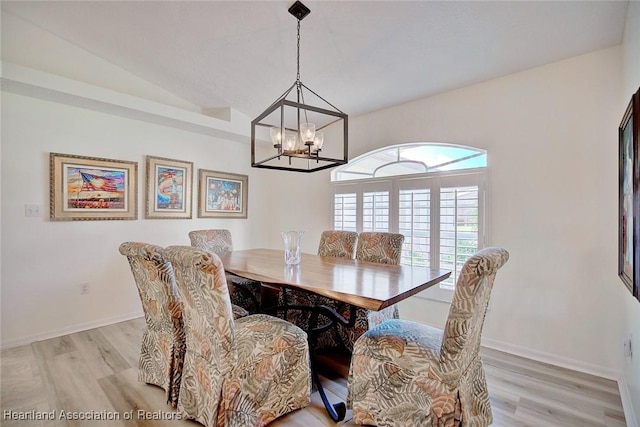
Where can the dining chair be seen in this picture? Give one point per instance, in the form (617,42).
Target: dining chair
(162,350)
(333,243)
(163,340)
(245,293)
(338,243)
(405,373)
(244,372)
(381,248)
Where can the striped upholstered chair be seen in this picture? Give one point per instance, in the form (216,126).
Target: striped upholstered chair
(244,292)
(163,342)
(237,373)
(408,374)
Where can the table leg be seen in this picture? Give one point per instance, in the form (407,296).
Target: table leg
(269,296)
(336,411)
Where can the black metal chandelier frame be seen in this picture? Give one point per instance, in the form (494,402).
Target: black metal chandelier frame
(315,161)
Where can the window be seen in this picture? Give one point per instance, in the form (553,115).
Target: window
(344,212)
(375,211)
(433,194)
(414,222)
(410,159)
(458,228)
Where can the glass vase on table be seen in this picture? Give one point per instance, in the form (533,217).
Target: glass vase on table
(292,246)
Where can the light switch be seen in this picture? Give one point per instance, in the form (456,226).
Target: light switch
(32,210)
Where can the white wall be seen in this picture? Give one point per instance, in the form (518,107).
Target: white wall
(299,201)
(630,306)
(551,134)
(551,137)
(44,262)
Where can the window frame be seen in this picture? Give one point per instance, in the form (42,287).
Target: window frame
(396,151)
(435,181)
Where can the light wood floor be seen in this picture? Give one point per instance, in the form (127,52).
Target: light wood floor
(95,372)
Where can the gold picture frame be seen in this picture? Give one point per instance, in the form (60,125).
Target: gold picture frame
(222,195)
(168,188)
(92,188)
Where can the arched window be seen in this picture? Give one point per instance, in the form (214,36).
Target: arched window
(409,159)
(435,194)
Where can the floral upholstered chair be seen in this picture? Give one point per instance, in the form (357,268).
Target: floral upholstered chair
(244,292)
(244,372)
(339,244)
(163,341)
(382,248)
(408,374)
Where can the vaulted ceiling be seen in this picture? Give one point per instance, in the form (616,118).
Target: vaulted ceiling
(359,55)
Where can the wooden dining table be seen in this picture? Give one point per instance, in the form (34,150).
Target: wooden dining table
(368,285)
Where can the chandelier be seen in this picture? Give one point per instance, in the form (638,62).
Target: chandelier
(306,132)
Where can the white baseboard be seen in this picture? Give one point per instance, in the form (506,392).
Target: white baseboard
(69,330)
(553,359)
(627,404)
(575,365)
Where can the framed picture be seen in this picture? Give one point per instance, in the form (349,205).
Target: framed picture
(90,188)
(168,190)
(222,195)
(629,197)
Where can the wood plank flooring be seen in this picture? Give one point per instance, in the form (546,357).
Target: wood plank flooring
(94,373)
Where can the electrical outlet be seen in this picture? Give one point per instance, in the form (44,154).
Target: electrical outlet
(84,288)
(626,346)
(32,210)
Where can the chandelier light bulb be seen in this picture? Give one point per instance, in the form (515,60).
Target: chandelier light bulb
(276,136)
(307,132)
(318,140)
(290,141)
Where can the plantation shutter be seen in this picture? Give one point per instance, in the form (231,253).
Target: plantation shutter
(375,211)
(459,228)
(414,222)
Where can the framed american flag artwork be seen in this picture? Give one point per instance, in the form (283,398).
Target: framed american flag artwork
(91,188)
